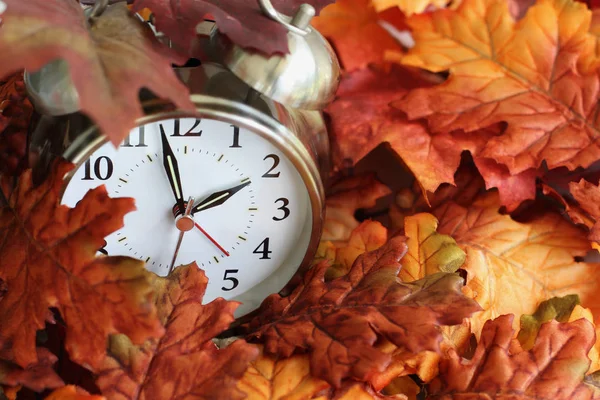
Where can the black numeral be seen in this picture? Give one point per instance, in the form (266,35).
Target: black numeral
(284,208)
(141,139)
(270,173)
(234,281)
(263,250)
(236,137)
(190,132)
(103,169)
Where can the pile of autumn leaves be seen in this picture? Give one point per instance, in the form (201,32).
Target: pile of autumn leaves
(448,297)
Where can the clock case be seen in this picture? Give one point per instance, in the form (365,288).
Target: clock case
(218,94)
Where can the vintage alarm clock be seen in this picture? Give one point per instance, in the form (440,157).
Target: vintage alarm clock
(236,186)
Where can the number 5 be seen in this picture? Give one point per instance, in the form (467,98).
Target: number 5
(233,280)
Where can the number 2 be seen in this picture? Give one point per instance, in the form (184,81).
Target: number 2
(270,173)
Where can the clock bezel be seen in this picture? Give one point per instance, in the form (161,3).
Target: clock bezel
(88,141)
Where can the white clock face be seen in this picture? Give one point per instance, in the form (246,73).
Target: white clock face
(251,210)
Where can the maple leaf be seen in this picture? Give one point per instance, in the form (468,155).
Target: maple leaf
(410,7)
(513,266)
(552,370)
(47,259)
(362,117)
(354,28)
(537,75)
(71,392)
(38,376)
(588,197)
(104,60)
(15,115)
(186,351)
(241,21)
(338,322)
(344,199)
(428,251)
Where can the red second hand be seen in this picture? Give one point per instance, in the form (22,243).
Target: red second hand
(211,239)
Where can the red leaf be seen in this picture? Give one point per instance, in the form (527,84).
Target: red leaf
(47,259)
(37,376)
(338,321)
(109,62)
(240,20)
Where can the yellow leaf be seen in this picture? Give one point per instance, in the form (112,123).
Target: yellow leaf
(512,266)
(428,251)
(409,7)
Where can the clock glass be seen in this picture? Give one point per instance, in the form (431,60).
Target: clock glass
(250,219)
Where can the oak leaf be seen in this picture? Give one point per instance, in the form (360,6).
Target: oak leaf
(37,377)
(537,75)
(344,199)
(109,62)
(47,259)
(552,370)
(355,30)
(241,21)
(362,118)
(71,392)
(338,322)
(512,266)
(184,362)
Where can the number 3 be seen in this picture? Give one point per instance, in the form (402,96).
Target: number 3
(284,208)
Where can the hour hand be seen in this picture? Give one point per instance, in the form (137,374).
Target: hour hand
(218,198)
(172,170)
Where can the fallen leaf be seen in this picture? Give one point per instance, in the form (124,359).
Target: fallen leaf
(552,370)
(594,354)
(428,251)
(184,362)
(15,116)
(410,7)
(362,118)
(403,385)
(343,200)
(104,61)
(71,392)
(271,378)
(588,197)
(368,236)
(36,377)
(556,308)
(241,21)
(512,266)
(47,259)
(338,322)
(354,29)
(537,75)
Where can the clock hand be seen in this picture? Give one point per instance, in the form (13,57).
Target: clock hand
(184,223)
(218,198)
(212,240)
(172,170)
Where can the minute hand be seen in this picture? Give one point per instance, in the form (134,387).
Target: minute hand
(218,198)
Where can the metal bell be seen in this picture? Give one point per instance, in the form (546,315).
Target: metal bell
(307,77)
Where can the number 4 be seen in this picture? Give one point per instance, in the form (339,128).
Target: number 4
(263,249)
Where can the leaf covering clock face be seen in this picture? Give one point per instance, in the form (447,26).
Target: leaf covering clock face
(251,209)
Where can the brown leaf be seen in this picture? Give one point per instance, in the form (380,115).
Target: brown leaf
(109,63)
(241,21)
(47,259)
(588,197)
(36,377)
(184,363)
(552,370)
(338,322)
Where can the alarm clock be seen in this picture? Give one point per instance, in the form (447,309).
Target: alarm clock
(236,186)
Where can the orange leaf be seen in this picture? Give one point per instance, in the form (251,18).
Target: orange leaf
(588,197)
(36,377)
(344,199)
(552,370)
(104,60)
(338,321)
(47,259)
(184,362)
(537,75)
(410,7)
(71,392)
(353,27)
(512,266)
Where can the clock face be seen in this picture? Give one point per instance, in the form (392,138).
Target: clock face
(249,222)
